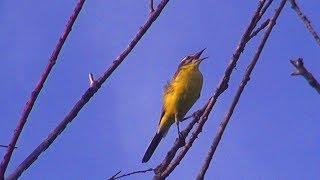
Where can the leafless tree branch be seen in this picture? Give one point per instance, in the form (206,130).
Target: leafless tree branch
(301,70)
(91,79)
(165,168)
(29,105)
(305,20)
(5,146)
(263,25)
(243,83)
(87,95)
(264,9)
(151,7)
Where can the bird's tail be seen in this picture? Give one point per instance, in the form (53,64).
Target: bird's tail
(152,146)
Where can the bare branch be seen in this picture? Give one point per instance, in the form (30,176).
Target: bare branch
(305,20)
(129,174)
(194,115)
(87,95)
(91,79)
(263,25)
(301,70)
(264,9)
(243,83)
(151,7)
(114,176)
(262,12)
(165,168)
(5,146)
(177,144)
(29,105)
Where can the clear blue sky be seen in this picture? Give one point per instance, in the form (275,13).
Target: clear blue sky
(273,134)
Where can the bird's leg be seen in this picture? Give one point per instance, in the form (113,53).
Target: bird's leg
(181,136)
(179,133)
(177,122)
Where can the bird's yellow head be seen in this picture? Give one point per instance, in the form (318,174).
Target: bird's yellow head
(192,61)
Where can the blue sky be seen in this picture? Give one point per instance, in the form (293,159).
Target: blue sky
(273,134)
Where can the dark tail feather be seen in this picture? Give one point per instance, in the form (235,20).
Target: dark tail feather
(153,145)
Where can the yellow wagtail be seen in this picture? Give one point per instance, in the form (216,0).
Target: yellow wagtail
(179,96)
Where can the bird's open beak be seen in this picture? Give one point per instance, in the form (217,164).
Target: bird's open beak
(197,55)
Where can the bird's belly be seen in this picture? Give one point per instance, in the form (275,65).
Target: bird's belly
(186,92)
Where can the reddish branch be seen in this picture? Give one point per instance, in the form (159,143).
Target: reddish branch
(305,20)
(301,70)
(29,105)
(87,95)
(243,83)
(166,167)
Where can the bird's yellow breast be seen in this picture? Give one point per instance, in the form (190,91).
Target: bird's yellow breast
(180,95)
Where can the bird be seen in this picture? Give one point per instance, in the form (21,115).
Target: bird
(179,96)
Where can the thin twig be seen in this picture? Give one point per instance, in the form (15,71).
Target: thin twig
(305,20)
(29,105)
(263,25)
(301,70)
(165,168)
(91,79)
(243,83)
(129,174)
(87,95)
(192,115)
(264,9)
(5,146)
(114,176)
(261,12)
(151,7)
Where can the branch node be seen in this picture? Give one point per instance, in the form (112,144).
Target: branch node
(301,70)
(151,7)
(91,79)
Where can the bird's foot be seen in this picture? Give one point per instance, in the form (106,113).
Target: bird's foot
(182,138)
(197,115)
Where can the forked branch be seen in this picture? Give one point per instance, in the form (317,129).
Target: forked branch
(168,164)
(301,70)
(29,105)
(236,98)
(88,94)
